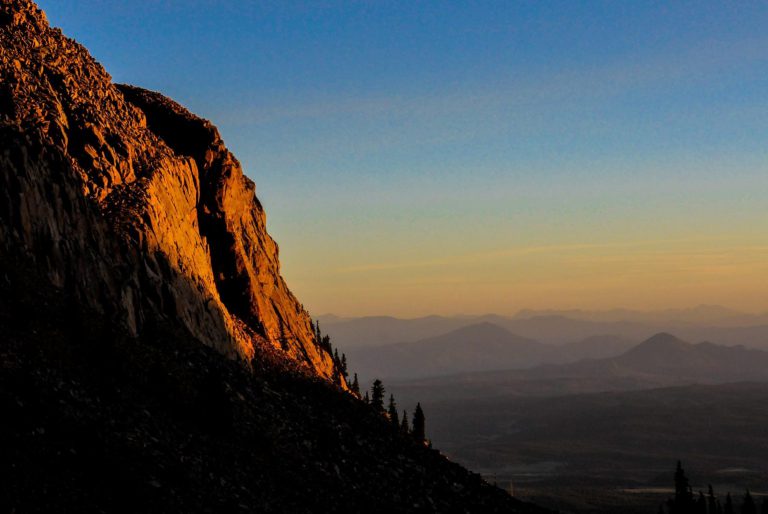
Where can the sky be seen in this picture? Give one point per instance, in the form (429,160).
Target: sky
(470,157)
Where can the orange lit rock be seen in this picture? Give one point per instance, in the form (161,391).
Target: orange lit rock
(136,203)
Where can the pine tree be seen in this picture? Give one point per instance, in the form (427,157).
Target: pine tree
(326,344)
(356,386)
(318,334)
(404,428)
(683,501)
(336,357)
(344,365)
(377,395)
(418,424)
(366,399)
(394,419)
(728,508)
(748,507)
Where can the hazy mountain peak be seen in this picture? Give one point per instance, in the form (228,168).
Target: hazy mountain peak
(663,339)
(659,347)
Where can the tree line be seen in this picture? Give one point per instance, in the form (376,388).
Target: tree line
(686,502)
(400,425)
(324,343)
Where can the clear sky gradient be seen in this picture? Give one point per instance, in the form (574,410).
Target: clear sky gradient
(469,157)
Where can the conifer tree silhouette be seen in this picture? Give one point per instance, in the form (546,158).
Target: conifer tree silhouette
(418,424)
(404,428)
(683,502)
(344,365)
(326,344)
(394,419)
(377,395)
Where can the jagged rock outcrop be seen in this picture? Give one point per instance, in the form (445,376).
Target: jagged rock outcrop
(125,198)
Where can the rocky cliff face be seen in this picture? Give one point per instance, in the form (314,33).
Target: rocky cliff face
(134,205)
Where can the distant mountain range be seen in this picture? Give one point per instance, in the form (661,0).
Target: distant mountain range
(665,357)
(703,323)
(479,347)
(578,409)
(569,434)
(660,361)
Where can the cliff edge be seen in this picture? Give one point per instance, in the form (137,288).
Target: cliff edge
(133,203)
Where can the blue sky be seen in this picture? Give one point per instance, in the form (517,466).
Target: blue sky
(431,150)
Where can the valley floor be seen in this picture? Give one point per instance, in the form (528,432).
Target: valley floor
(601,451)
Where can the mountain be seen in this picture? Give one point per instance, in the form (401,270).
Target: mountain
(663,360)
(753,336)
(97,421)
(135,204)
(665,357)
(475,348)
(554,329)
(662,351)
(560,327)
(561,330)
(601,435)
(152,358)
(478,347)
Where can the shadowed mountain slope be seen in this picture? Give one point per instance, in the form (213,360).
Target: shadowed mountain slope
(556,328)
(96,421)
